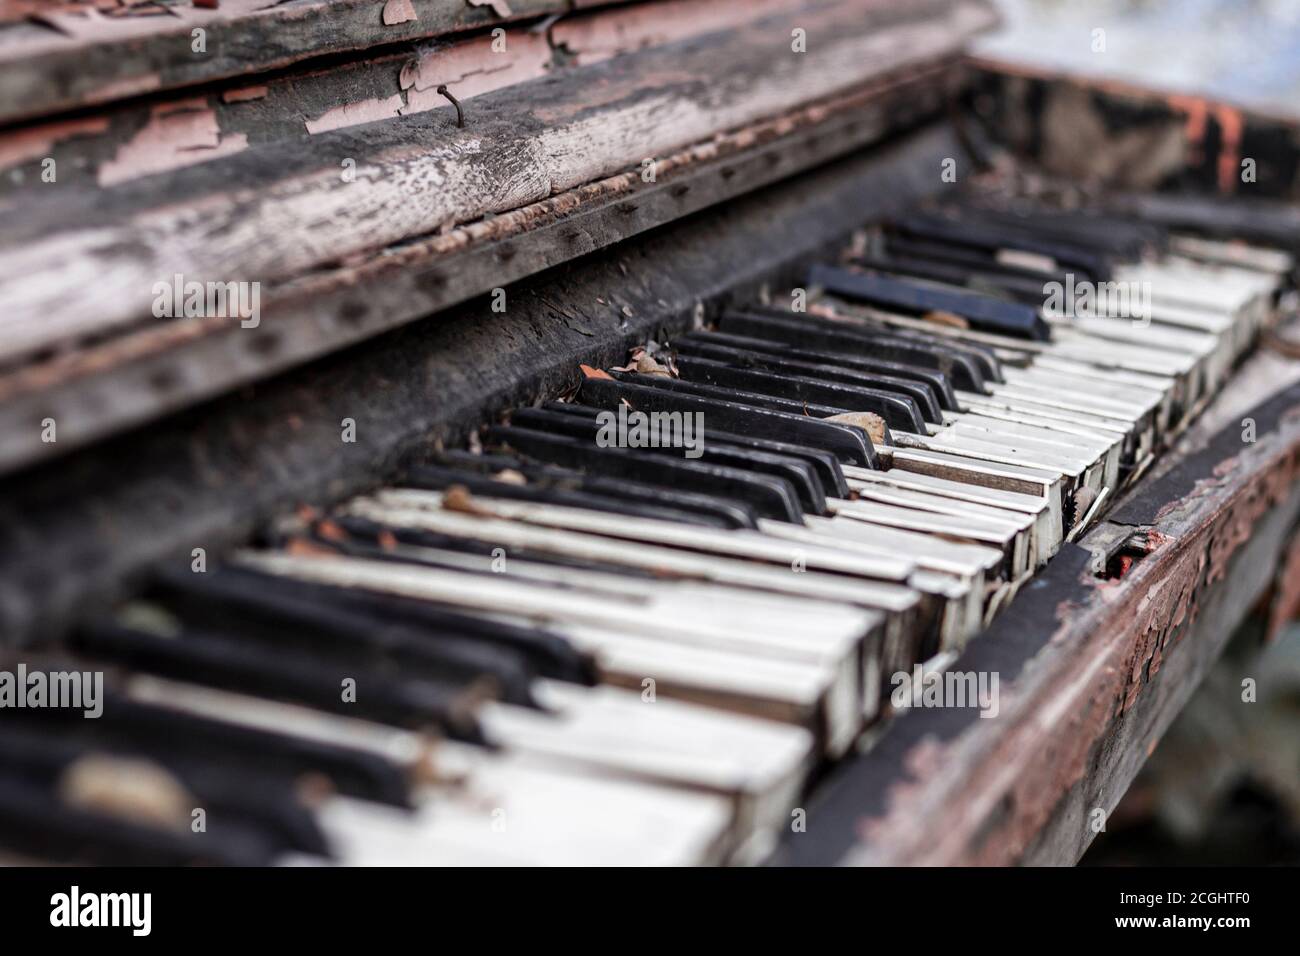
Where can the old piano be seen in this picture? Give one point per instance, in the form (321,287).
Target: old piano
(338,338)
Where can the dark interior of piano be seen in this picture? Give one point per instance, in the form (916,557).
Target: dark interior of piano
(659,433)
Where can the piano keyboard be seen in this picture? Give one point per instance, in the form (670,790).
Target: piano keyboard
(557,650)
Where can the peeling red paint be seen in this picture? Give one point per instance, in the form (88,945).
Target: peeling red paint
(354,114)
(398,11)
(592,38)
(36,143)
(472,67)
(178,134)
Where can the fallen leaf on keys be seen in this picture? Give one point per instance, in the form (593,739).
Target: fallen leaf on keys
(645,364)
(457,498)
(870,422)
(590,372)
(648,366)
(387,540)
(300,547)
(946,318)
(330,531)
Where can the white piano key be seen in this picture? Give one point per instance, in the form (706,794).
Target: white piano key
(773,576)
(788,675)
(735,543)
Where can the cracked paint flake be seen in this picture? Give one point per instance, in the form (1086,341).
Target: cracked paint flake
(177,135)
(353,114)
(398,11)
(596,37)
(471,68)
(499,7)
(37,143)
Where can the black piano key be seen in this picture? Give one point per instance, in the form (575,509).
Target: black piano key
(1027,292)
(965,258)
(920,393)
(826,465)
(1082,261)
(425,476)
(936,382)
(256,611)
(850,444)
(549,654)
(364,539)
(878,331)
(174,735)
(1103,233)
(753,399)
(33,824)
(369,539)
(810,332)
(769,497)
(264,803)
(802,477)
(899,410)
(726,512)
(982,312)
(956,266)
(208,659)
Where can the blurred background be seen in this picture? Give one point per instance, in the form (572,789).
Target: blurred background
(1244,51)
(1223,787)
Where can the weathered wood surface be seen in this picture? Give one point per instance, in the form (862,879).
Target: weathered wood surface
(102,388)
(59,56)
(144,137)
(81,261)
(74,531)
(1092,670)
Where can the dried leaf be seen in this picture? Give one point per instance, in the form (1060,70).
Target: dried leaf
(648,366)
(330,531)
(301,547)
(872,423)
(946,318)
(458,498)
(589,372)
